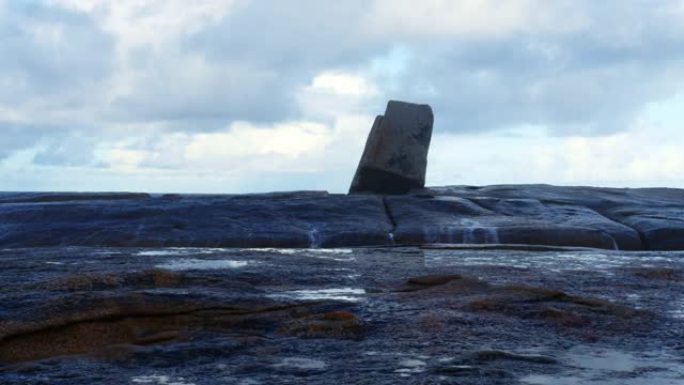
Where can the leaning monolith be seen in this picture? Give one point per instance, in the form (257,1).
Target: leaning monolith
(395,157)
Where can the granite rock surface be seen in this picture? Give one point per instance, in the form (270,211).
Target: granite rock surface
(207,316)
(607,218)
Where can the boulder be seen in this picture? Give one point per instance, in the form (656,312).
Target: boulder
(395,157)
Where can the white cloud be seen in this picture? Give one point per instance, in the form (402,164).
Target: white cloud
(243,140)
(333,93)
(676,8)
(644,155)
(468,18)
(343,84)
(124,159)
(240,148)
(150,22)
(49,34)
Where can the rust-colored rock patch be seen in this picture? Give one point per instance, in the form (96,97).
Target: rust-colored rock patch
(336,324)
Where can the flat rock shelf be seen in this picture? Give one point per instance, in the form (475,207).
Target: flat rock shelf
(606,218)
(444,314)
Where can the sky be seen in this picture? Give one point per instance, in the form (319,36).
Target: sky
(234,96)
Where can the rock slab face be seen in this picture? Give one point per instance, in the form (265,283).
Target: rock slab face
(655,214)
(296,219)
(489,220)
(395,157)
(541,215)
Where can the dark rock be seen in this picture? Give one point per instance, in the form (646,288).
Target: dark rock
(74,315)
(561,309)
(91,324)
(444,283)
(66,197)
(452,219)
(539,215)
(433,280)
(258,220)
(395,157)
(657,214)
(496,355)
(336,324)
(662,274)
(152,278)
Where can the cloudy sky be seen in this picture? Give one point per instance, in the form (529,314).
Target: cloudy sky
(263,95)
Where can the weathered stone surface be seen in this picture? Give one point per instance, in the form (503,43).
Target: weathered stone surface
(657,214)
(451,219)
(628,219)
(395,157)
(78,316)
(260,220)
(45,197)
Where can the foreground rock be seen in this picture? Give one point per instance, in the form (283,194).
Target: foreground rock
(627,219)
(395,158)
(80,316)
(301,219)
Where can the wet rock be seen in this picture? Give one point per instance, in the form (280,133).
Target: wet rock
(30,197)
(536,215)
(496,355)
(337,324)
(458,370)
(260,220)
(432,280)
(537,304)
(657,214)
(564,215)
(95,324)
(662,228)
(451,283)
(394,160)
(300,366)
(114,312)
(663,274)
(452,219)
(98,281)
(490,375)
(561,309)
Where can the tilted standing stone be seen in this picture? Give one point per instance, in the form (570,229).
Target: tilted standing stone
(395,157)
